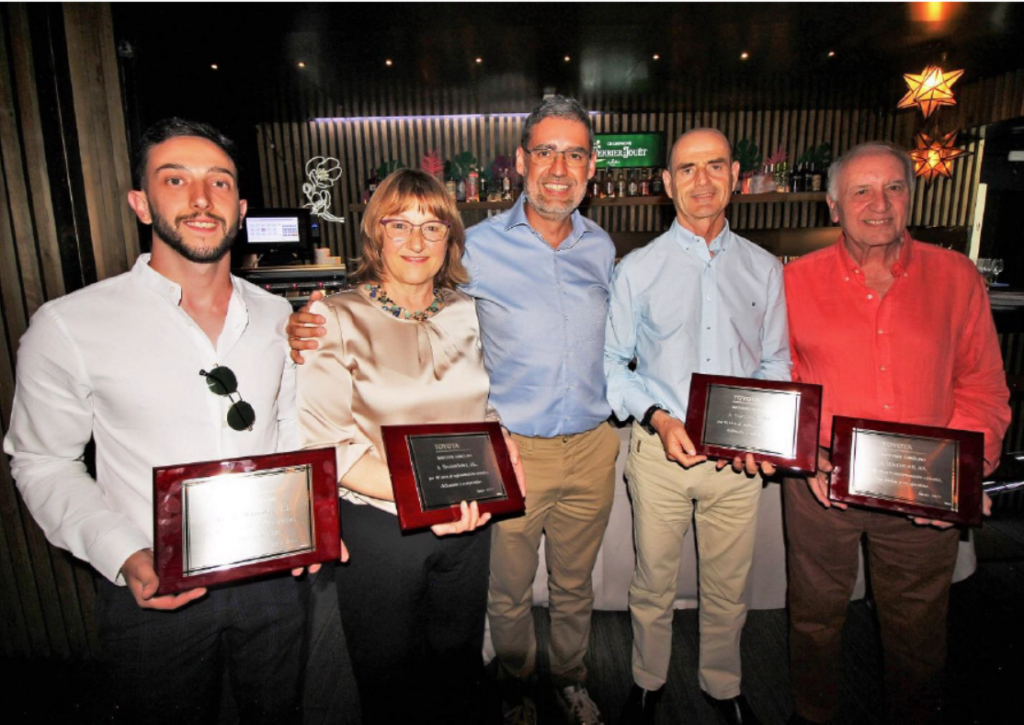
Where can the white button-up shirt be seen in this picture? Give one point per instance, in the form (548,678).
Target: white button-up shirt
(119,362)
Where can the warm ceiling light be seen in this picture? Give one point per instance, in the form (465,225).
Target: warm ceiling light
(479,61)
(213,66)
(744,55)
(301,64)
(388,62)
(930,89)
(656,57)
(831,54)
(935,158)
(567,59)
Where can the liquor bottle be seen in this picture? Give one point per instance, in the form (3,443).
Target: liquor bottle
(634,186)
(449,186)
(460,190)
(373,182)
(816,179)
(644,187)
(594,187)
(657,184)
(506,185)
(609,186)
(796,179)
(473,185)
(620,184)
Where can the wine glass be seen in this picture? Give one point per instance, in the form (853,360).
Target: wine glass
(985,267)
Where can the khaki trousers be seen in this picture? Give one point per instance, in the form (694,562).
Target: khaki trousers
(665,498)
(570,481)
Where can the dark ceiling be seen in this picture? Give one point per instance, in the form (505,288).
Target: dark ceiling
(167,51)
(611,46)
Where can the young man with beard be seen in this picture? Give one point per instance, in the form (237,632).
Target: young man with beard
(540,274)
(144,398)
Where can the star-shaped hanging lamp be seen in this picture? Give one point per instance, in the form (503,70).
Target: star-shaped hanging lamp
(934,158)
(930,89)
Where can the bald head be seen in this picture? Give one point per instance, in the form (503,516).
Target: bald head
(700,178)
(699,133)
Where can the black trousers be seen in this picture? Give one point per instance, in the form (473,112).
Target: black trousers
(413,608)
(168,666)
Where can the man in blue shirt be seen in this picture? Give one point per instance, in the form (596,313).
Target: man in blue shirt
(540,274)
(699,298)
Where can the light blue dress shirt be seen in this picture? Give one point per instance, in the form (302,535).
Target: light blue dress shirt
(681,306)
(542,320)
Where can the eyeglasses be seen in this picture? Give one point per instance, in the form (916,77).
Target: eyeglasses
(221,381)
(574,158)
(399,230)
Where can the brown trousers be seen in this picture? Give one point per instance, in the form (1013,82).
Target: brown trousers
(910,568)
(570,482)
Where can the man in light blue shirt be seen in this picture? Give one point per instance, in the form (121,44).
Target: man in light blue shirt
(699,298)
(540,274)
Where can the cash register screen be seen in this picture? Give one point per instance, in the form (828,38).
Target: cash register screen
(277,231)
(272,230)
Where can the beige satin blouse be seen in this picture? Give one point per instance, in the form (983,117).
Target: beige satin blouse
(373,369)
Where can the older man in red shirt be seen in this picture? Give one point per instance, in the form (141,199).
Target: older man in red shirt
(896,330)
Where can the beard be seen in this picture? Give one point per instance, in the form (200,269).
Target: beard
(549,208)
(170,235)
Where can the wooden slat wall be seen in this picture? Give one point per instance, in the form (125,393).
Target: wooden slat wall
(818,114)
(46,596)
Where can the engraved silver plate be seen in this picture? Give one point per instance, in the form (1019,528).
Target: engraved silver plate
(243,518)
(912,469)
(751,419)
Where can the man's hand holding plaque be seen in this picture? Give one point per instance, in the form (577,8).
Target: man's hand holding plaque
(755,423)
(931,474)
(222,521)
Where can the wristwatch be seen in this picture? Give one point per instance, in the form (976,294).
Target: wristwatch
(645,423)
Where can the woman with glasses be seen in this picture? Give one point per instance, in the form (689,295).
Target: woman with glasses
(403,347)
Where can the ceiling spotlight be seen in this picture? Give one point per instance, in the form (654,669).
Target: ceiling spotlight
(479,61)
(744,55)
(655,57)
(213,66)
(301,64)
(388,62)
(566,59)
(831,54)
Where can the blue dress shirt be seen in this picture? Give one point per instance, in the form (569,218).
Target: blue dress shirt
(681,306)
(542,320)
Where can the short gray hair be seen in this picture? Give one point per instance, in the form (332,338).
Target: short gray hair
(866,149)
(557,107)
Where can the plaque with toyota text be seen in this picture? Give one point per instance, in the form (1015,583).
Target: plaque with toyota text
(934,473)
(775,421)
(435,467)
(222,521)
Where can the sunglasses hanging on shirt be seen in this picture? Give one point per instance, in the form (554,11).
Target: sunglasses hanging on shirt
(221,381)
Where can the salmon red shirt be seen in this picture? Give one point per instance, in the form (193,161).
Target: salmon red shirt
(925,353)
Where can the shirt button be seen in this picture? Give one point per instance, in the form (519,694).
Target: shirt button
(708,360)
(709,297)
(709,329)
(886,407)
(882,368)
(879,332)
(871,297)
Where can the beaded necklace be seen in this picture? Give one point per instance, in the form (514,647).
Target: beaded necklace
(378,294)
